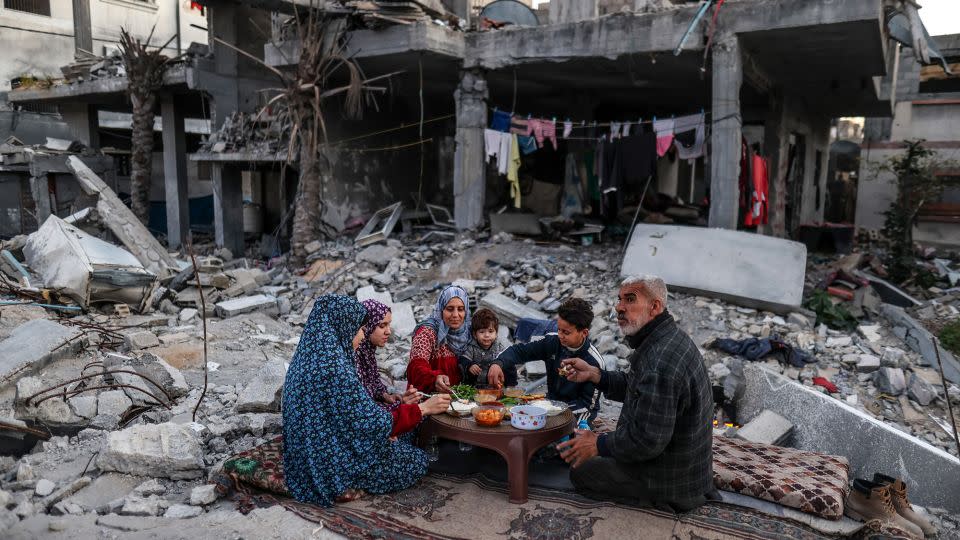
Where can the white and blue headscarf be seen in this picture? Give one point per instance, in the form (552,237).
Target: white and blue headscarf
(457,340)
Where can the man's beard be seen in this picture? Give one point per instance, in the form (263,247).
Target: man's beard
(628,328)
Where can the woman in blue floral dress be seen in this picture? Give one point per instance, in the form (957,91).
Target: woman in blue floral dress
(338,443)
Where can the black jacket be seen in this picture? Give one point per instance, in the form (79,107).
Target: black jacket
(549,349)
(665,432)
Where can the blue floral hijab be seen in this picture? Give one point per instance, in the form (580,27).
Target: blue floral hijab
(335,436)
(457,340)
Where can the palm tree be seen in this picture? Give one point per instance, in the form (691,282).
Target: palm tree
(301,102)
(145,69)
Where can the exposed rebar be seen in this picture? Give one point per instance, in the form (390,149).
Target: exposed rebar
(113,386)
(946,393)
(84,377)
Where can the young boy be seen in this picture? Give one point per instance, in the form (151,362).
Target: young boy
(570,341)
(483,349)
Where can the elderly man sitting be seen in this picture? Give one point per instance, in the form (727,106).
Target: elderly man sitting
(661,451)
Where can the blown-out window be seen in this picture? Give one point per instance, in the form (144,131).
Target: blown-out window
(37,7)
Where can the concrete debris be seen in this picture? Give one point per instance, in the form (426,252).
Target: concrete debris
(890,381)
(44,487)
(378,255)
(143,506)
(159,450)
(182,511)
(920,390)
(238,306)
(263,392)
(509,311)
(32,345)
(143,339)
(203,495)
(767,428)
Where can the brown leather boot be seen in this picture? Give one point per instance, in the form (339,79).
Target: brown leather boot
(868,500)
(898,494)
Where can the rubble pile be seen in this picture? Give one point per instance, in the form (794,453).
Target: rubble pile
(242,132)
(113,394)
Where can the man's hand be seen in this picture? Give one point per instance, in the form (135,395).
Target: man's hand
(442,383)
(475,370)
(410,396)
(582,447)
(435,405)
(389,398)
(578,370)
(495,376)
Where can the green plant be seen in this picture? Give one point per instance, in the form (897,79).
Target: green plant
(833,315)
(950,336)
(917,184)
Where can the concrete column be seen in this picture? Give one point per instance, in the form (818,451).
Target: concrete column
(726,134)
(469,169)
(222,24)
(40,190)
(175,172)
(776,145)
(82,30)
(83,122)
(227,207)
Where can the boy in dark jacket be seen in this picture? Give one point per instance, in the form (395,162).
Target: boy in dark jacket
(570,341)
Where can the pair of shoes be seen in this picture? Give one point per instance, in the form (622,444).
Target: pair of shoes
(885,500)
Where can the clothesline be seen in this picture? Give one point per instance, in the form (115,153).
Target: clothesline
(584,124)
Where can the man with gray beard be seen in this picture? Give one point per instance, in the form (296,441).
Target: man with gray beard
(661,451)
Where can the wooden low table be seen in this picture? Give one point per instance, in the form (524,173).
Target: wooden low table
(516,446)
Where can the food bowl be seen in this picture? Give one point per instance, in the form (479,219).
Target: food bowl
(513,392)
(489,415)
(528,417)
(488,393)
(552,407)
(460,409)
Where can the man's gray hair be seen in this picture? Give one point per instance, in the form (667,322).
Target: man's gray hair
(654,286)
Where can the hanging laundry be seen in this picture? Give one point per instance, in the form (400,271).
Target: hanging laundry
(519,126)
(759,202)
(664,131)
(689,134)
(491,143)
(615,130)
(545,129)
(625,129)
(567,129)
(572,202)
(497,146)
(528,145)
(501,121)
(746,183)
(513,171)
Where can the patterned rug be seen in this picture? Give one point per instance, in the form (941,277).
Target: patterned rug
(453,507)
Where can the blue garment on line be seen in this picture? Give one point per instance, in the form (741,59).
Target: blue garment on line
(528,145)
(335,436)
(501,121)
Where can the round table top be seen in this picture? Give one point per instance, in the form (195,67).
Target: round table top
(558,422)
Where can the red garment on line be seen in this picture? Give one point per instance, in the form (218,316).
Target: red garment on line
(759,203)
(428,360)
(405,418)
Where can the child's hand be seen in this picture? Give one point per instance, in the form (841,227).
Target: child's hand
(389,398)
(475,370)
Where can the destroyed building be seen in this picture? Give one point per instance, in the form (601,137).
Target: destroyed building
(133,362)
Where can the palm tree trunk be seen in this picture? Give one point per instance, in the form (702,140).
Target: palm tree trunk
(141,155)
(306,218)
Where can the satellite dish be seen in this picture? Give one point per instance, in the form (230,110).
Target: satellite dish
(510,11)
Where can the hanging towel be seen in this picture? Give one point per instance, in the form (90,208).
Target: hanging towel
(501,121)
(689,134)
(491,143)
(548,130)
(625,129)
(614,130)
(664,131)
(528,145)
(572,202)
(503,163)
(567,129)
(513,171)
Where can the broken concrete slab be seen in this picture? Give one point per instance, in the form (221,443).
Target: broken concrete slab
(767,428)
(246,304)
(203,495)
(182,511)
(403,323)
(33,344)
(890,380)
(920,390)
(370,293)
(748,269)
(123,223)
(157,450)
(378,255)
(827,425)
(263,392)
(143,339)
(919,339)
(509,311)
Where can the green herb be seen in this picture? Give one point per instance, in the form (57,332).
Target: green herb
(510,401)
(833,315)
(464,391)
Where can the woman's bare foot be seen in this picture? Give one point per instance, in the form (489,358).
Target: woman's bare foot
(350,495)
